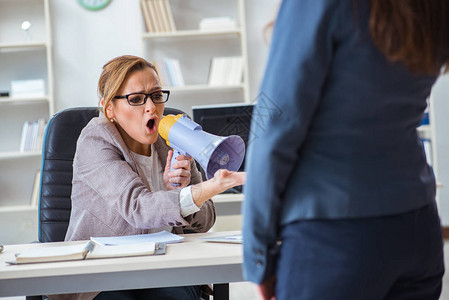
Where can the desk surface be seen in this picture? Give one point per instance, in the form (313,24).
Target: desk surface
(191,262)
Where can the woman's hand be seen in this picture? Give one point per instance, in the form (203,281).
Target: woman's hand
(222,180)
(225,179)
(181,173)
(267,289)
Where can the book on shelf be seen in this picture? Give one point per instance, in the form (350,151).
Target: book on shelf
(149,26)
(169,15)
(32,135)
(170,72)
(225,71)
(88,250)
(34,201)
(158,16)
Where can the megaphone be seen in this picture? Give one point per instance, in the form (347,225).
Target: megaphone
(212,152)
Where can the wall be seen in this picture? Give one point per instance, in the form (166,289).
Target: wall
(84,40)
(441,106)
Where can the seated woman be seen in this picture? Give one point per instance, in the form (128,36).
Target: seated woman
(122,183)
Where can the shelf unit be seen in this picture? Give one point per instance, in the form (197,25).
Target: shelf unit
(427,133)
(24,55)
(195,48)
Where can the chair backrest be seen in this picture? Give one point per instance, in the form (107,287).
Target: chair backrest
(58,150)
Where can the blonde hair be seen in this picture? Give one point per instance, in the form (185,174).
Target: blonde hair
(115,72)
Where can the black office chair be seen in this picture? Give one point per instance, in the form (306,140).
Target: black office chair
(58,151)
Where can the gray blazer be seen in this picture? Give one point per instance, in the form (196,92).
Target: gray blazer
(110,196)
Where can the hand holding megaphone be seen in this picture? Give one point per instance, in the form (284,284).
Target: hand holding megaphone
(210,151)
(177,170)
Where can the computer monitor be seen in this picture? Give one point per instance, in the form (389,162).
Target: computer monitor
(225,120)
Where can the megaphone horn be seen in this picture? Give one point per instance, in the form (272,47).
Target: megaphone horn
(212,152)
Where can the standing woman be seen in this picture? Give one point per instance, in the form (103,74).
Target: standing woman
(122,178)
(340,202)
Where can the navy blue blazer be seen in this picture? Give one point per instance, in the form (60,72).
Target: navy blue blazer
(334,130)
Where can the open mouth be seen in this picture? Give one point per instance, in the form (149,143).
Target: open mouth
(151,124)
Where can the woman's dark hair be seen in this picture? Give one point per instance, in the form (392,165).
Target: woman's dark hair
(414,32)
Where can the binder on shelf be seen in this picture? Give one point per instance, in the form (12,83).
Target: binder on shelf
(32,136)
(149,26)
(169,15)
(150,7)
(158,16)
(160,4)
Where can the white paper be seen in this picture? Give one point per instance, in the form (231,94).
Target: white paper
(158,237)
(232,239)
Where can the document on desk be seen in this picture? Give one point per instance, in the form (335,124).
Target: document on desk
(158,237)
(233,239)
(89,250)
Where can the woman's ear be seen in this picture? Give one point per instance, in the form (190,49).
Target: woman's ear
(109,109)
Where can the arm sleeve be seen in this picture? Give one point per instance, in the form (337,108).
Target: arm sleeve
(204,218)
(188,207)
(300,55)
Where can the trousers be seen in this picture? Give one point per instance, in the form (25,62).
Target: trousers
(396,257)
(170,293)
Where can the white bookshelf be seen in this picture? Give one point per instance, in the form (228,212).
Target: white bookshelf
(206,88)
(191,33)
(427,132)
(195,48)
(24,100)
(18,155)
(24,55)
(26,45)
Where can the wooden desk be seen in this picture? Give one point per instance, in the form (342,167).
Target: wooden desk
(192,262)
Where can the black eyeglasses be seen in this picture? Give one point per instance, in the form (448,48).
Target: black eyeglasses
(137,99)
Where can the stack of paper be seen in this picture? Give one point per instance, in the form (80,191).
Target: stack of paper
(218,23)
(226,71)
(162,237)
(28,88)
(89,250)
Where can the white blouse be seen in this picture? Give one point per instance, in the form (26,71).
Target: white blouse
(154,172)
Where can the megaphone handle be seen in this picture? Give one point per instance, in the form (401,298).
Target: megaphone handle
(176,153)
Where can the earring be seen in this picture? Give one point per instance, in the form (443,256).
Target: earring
(112,120)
